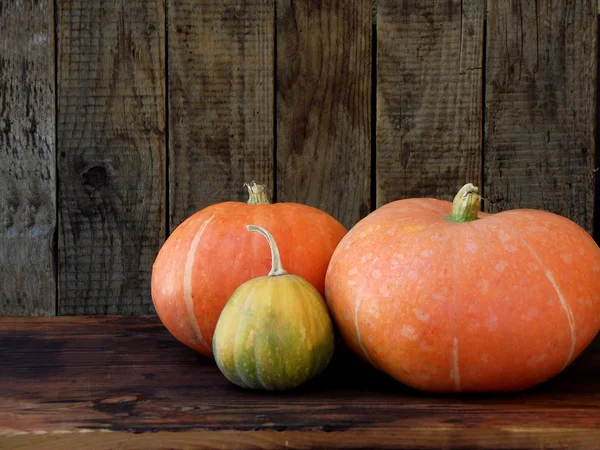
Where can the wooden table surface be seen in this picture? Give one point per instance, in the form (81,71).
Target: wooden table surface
(125,382)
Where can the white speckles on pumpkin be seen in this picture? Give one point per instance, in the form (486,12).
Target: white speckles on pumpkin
(353,271)
(531,314)
(373,312)
(501,265)
(366,258)
(347,314)
(351,283)
(537,229)
(566,257)
(536,360)
(426,253)
(362,235)
(391,232)
(483,285)
(376,274)
(408,332)
(169,290)
(439,238)
(384,291)
(412,274)
(438,296)
(421,315)
(396,262)
(370,339)
(470,247)
(504,236)
(491,322)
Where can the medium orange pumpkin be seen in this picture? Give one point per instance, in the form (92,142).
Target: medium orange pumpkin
(444,298)
(211,254)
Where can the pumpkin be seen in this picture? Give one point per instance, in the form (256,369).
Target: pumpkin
(444,298)
(275,332)
(210,254)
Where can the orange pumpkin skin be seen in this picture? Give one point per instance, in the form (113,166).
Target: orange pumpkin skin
(497,304)
(211,254)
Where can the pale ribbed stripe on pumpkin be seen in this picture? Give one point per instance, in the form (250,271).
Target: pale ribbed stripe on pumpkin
(455,370)
(560,295)
(187,283)
(358,336)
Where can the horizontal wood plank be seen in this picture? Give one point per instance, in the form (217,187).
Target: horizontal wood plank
(94,381)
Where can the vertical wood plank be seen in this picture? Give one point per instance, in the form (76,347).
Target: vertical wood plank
(429,97)
(27,158)
(540,106)
(220,101)
(111,140)
(324,106)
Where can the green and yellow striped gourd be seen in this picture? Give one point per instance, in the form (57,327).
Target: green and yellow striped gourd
(275,332)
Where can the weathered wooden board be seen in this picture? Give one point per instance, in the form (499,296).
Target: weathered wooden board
(429,97)
(111,140)
(324,106)
(220,101)
(27,159)
(105,383)
(540,106)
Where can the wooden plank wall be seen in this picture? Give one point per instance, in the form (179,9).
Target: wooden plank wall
(27,159)
(540,107)
(221,59)
(324,106)
(429,97)
(111,153)
(150,110)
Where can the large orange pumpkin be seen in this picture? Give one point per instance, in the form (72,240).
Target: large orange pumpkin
(444,298)
(211,254)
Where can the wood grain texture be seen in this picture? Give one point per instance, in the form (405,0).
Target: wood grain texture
(27,158)
(429,97)
(324,106)
(95,381)
(220,101)
(540,107)
(111,136)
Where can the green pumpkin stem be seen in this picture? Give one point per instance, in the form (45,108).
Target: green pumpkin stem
(257,194)
(466,204)
(276,268)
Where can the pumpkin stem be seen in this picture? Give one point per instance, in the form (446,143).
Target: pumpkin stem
(257,194)
(466,204)
(276,268)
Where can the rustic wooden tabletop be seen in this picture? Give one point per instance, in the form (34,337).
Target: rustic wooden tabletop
(125,382)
